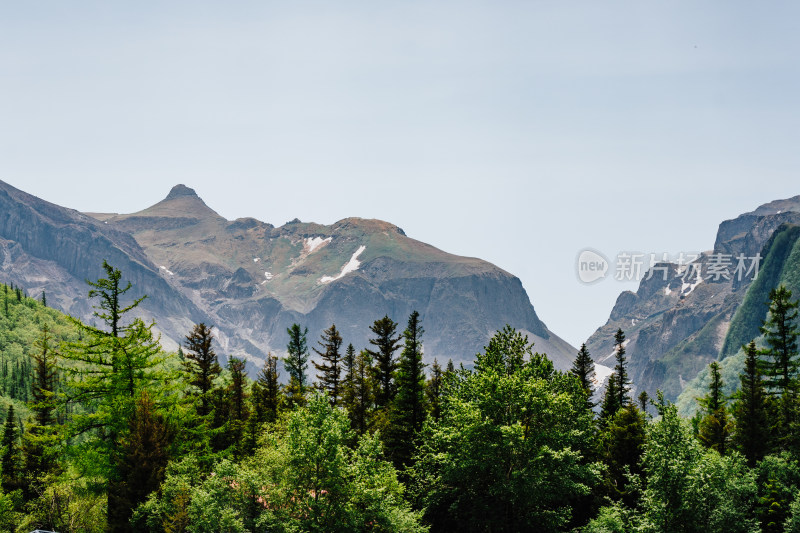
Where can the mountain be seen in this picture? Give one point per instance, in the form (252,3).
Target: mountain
(678,321)
(252,280)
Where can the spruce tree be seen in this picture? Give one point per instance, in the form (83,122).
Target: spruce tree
(201,364)
(583,369)
(296,364)
(749,409)
(621,369)
(237,396)
(329,378)
(779,363)
(434,389)
(780,359)
(266,392)
(44,380)
(5,299)
(363,393)
(715,427)
(9,467)
(348,390)
(610,404)
(387,343)
(44,299)
(408,407)
(141,463)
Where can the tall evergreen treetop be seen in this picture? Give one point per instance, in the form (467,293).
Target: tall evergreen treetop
(583,369)
(714,430)
(201,363)
(780,358)
(331,366)
(296,362)
(749,409)
(109,292)
(387,343)
(621,369)
(409,403)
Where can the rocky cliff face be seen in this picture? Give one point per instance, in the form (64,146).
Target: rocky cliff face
(252,280)
(677,325)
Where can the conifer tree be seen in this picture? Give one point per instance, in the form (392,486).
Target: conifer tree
(387,343)
(296,364)
(715,427)
(349,366)
(237,396)
(201,364)
(266,392)
(583,369)
(141,463)
(9,466)
(621,369)
(779,364)
(44,299)
(363,394)
(622,444)
(610,404)
(5,299)
(434,389)
(329,378)
(408,408)
(644,399)
(44,380)
(109,368)
(749,409)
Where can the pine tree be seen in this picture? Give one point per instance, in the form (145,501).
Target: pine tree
(583,369)
(237,396)
(387,344)
(621,370)
(363,394)
(44,299)
(296,364)
(714,427)
(349,365)
(141,463)
(44,380)
(9,460)
(201,364)
(434,389)
(331,366)
(622,444)
(749,409)
(266,392)
(779,364)
(408,408)
(5,299)
(610,404)
(108,370)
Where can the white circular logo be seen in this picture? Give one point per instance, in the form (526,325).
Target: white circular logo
(592,266)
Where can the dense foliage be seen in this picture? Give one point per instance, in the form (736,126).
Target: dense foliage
(101,430)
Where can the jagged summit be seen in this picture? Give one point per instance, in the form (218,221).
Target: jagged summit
(180,190)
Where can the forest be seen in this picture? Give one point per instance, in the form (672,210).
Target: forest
(104,430)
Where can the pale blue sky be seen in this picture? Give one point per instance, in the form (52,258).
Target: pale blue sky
(519,132)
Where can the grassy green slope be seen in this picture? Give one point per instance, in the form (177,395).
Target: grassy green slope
(20,331)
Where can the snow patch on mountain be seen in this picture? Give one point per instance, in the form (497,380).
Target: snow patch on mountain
(601,373)
(165,269)
(350,266)
(312,243)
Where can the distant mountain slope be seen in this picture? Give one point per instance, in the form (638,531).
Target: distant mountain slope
(781,267)
(677,326)
(252,280)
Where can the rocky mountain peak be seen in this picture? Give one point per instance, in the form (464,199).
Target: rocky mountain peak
(179,191)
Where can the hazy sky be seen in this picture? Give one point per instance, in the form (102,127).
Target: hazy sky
(518,132)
